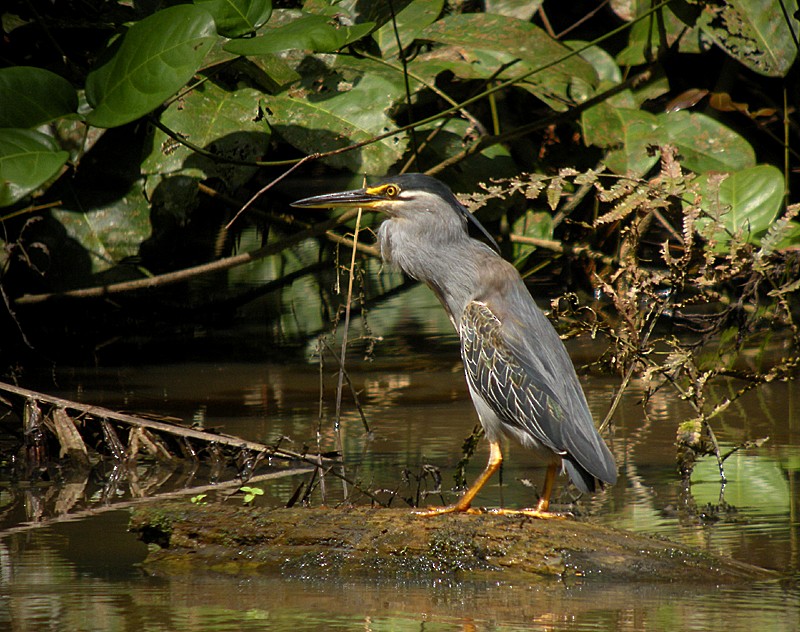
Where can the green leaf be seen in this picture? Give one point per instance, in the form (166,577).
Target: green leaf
(410,21)
(227,123)
(310,32)
(30,97)
(628,133)
(518,39)
(754,32)
(703,143)
(357,113)
(28,159)
(250,493)
(356,11)
(153,60)
(235,18)
(111,232)
(513,8)
(538,225)
(748,200)
(645,37)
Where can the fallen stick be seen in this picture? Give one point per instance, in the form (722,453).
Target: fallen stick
(158,426)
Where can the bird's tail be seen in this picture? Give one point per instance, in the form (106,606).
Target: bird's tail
(584,481)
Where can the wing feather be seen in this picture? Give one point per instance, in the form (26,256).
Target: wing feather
(520,368)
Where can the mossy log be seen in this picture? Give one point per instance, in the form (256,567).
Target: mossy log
(376,542)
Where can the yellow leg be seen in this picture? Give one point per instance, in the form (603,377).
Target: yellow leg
(549,479)
(464,503)
(542,507)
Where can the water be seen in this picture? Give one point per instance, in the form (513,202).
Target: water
(83,574)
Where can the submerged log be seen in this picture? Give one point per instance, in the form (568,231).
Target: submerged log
(395,543)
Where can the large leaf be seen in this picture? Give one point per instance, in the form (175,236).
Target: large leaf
(112,232)
(704,144)
(228,123)
(410,22)
(235,18)
(28,159)
(30,97)
(315,124)
(754,32)
(155,58)
(310,32)
(518,39)
(748,201)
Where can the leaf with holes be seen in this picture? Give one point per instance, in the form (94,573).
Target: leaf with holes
(110,231)
(355,114)
(227,123)
(555,76)
(757,33)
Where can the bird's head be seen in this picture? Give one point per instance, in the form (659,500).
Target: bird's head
(421,200)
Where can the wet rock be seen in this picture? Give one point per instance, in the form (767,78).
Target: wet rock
(325,542)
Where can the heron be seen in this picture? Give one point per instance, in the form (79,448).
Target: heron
(519,374)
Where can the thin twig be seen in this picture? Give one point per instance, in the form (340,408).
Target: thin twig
(264,189)
(195,271)
(343,355)
(353,392)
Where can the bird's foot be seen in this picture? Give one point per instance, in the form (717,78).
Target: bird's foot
(438,511)
(539,514)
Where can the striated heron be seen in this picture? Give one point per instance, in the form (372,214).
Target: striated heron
(520,377)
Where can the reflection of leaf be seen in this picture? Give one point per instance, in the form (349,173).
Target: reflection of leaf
(351,116)
(31,96)
(754,482)
(111,233)
(155,58)
(747,200)
(28,159)
(223,122)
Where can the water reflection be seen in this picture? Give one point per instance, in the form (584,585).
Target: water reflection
(82,575)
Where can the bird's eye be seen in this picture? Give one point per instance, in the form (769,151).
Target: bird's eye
(391,191)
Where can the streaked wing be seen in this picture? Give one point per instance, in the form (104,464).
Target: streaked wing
(517,393)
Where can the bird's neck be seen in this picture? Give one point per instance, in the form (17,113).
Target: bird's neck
(455,266)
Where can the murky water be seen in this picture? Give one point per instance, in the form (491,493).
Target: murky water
(83,575)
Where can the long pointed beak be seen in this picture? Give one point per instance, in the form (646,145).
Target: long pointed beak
(343,199)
